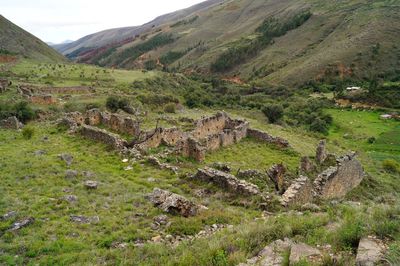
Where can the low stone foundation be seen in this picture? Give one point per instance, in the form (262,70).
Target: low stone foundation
(31,90)
(43,99)
(265,137)
(103,136)
(226,181)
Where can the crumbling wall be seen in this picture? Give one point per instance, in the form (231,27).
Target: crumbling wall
(31,90)
(209,125)
(298,193)
(103,136)
(337,181)
(265,137)
(4,83)
(42,99)
(191,148)
(11,123)
(226,181)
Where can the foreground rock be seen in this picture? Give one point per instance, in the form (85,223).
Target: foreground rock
(302,251)
(21,224)
(173,203)
(89,184)
(370,252)
(226,181)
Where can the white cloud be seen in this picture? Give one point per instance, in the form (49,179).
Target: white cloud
(56,21)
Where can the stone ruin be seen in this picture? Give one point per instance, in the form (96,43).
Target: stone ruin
(226,181)
(11,123)
(299,192)
(337,181)
(4,84)
(44,95)
(209,134)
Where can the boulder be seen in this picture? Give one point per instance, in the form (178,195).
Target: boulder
(70,198)
(69,174)
(226,181)
(173,203)
(300,251)
(370,252)
(8,215)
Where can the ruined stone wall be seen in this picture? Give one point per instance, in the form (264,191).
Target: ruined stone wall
(103,136)
(30,90)
(191,148)
(337,181)
(171,136)
(299,193)
(11,123)
(4,83)
(209,126)
(263,136)
(42,99)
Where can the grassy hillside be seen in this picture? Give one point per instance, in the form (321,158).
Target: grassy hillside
(35,181)
(353,40)
(16,41)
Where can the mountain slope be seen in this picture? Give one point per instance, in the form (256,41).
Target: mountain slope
(15,40)
(119,34)
(269,41)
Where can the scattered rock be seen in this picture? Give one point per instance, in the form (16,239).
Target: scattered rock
(161,219)
(128,168)
(156,239)
(226,181)
(154,161)
(70,198)
(173,203)
(370,251)
(39,153)
(202,192)
(125,160)
(69,174)
(303,251)
(88,174)
(8,215)
(67,158)
(321,152)
(250,173)
(84,220)
(23,223)
(89,184)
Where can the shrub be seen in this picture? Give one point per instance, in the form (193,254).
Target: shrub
(28,132)
(170,108)
(371,140)
(273,112)
(24,112)
(391,166)
(112,103)
(319,125)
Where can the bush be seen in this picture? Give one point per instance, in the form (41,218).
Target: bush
(24,112)
(371,140)
(319,125)
(170,108)
(112,103)
(391,166)
(273,112)
(28,132)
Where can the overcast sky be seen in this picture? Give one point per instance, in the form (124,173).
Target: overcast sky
(59,20)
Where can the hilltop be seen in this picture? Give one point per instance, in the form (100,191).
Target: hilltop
(350,39)
(16,41)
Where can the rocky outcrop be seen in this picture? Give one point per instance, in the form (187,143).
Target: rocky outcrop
(370,251)
(156,162)
(337,181)
(299,192)
(173,203)
(103,136)
(321,154)
(277,175)
(226,181)
(21,224)
(11,123)
(4,84)
(265,137)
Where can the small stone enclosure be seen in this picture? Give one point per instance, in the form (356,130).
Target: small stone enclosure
(209,134)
